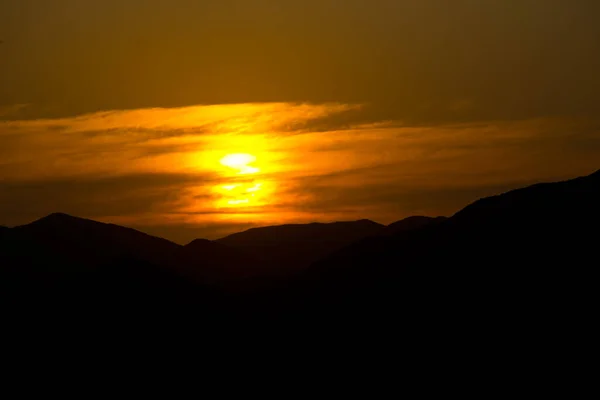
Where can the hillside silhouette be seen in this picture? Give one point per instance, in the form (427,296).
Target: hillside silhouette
(526,255)
(87,243)
(410,223)
(296,246)
(214,263)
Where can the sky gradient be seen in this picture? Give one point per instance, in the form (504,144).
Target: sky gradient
(123,111)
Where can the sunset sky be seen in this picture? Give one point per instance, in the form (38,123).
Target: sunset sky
(192,118)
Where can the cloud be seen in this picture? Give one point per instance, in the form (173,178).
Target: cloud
(86,144)
(160,168)
(214,119)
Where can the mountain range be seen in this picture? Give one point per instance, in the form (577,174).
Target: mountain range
(526,254)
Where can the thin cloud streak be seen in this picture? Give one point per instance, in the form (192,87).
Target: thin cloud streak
(160,167)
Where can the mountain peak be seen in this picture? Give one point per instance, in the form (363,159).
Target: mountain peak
(60,215)
(57,217)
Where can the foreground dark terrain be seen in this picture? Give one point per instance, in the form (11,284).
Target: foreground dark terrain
(513,260)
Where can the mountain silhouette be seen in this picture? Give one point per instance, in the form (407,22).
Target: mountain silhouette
(212,262)
(518,258)
(525,255)
(72,244)
(85,243)
(410,223)
(285,248)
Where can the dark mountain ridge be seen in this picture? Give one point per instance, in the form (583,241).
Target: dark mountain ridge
(519,256)
(295,232)
(523,254)
(216,263)
(291,247)
(60,244)
(89,243)
(410,223)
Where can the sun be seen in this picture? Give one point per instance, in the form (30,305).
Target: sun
(240,162)
(242,192)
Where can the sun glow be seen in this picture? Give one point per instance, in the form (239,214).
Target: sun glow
(241,192)
(240,162)
(238,202)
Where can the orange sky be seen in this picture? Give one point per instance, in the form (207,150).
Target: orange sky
(210,170)
(189,118)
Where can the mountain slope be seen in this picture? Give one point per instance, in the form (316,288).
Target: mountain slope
(61,247)
(77,241)
(519,256)
(290,247)
(524,254)
(410,223)
(89,269)
(213,262)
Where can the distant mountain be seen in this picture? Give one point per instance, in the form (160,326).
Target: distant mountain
(504,261)
(61,262)
(286,248)
(86,243)
(410,223)
(209,261)
(61,247)
(527,254)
